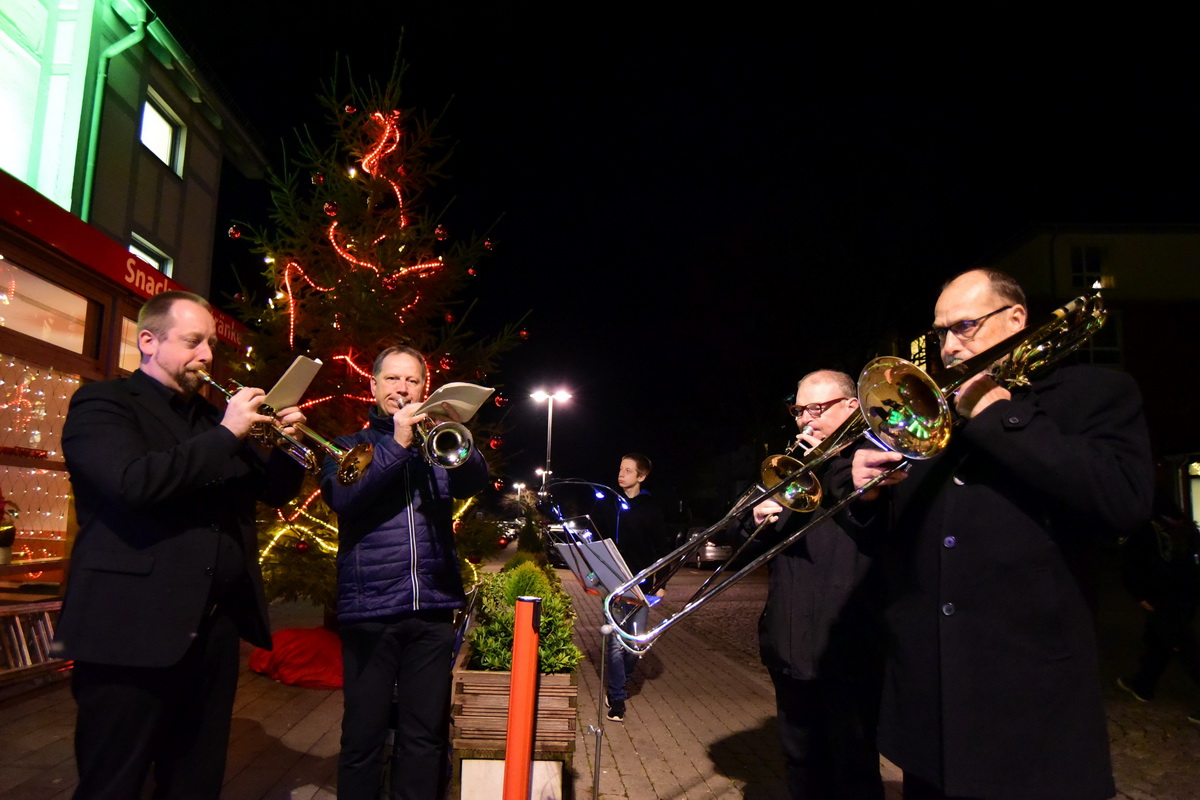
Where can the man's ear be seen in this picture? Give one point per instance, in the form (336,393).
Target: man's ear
(147,343)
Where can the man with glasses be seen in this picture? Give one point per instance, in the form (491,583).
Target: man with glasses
(821,633)
(992,686)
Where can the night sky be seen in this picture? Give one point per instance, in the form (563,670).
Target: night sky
(695,211)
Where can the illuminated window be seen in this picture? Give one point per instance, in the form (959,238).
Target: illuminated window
(36,307)
(162,131)
(1086,266)
(151,254)
(130,355)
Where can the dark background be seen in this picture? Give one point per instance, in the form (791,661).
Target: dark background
(694,210)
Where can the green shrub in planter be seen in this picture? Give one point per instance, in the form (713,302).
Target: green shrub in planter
(492,638)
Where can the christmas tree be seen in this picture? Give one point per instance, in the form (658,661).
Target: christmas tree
(356,262)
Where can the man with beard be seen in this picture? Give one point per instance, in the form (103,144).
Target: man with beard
(164,574)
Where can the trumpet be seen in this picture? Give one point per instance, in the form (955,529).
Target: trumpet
(445,444)
(351,463)
(900,408)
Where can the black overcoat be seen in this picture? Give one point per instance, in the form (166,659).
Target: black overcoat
(151,501)
(992,687)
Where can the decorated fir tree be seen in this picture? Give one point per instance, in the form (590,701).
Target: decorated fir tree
(356,261)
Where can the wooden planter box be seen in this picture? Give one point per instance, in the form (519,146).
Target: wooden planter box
(479,709)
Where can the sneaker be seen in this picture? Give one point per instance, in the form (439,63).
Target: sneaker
(1127,687)
(616,710)
(1194,717)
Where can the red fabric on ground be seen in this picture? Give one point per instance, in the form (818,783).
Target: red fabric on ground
(307,657)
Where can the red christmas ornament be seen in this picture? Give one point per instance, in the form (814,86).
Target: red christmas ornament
(331,208)
(449,318)
(318,179)
(524,334)
(499,484)
(301,546)
(351,109)
(496,442)
(235,232)
(440,233)
(471,272)
(447,362)
(500,400)
(489,244)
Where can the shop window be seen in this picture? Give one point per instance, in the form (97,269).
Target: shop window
(33,480)
(36,307)
(163,132)
(130,356)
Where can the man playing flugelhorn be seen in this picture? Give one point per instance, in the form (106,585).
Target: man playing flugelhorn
(398,588)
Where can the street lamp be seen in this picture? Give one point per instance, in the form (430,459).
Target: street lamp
(520,487)
(540,396)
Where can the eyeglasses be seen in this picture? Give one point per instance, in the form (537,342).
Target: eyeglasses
(815,409)
(966,330)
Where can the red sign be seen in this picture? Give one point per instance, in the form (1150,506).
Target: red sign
(24,208)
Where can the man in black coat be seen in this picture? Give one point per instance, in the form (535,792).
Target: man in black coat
(164,575)
(821,633)
(992,687)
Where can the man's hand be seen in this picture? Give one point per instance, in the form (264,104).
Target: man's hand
(869,463)
(288,419)
(405,419)
(977,394)
(766,511)
(241,413)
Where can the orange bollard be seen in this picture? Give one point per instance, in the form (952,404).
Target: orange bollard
(522,697)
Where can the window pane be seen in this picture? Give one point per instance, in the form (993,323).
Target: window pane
(130,355)
(158,133)
(35,307)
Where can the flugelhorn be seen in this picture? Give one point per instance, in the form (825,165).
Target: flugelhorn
(446,444)
(351,463)
(900,408)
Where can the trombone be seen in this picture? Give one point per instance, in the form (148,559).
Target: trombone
(900,408)
(351,463)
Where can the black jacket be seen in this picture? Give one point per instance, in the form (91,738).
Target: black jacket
(152,500)
(992,686)
(823,618)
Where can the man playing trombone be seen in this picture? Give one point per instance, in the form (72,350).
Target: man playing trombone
(398,587)
(164,573)
(820,634)
(992,687)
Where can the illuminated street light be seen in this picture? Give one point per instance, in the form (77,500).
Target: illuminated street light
(541,396)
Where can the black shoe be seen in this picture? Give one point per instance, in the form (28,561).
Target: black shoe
(1127,687)
(616,710)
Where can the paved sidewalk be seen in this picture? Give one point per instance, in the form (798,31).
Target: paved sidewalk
(700,721)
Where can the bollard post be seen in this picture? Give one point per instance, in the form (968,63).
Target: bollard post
(522,697)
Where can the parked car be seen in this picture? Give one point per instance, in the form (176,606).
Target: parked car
(715,551)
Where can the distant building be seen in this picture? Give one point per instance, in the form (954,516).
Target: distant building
(1150,279)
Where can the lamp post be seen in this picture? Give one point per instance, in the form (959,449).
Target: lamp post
(560,395)
(520,487)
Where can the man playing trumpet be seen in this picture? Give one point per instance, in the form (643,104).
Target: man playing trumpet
(992,687)
(164,573)
(398,588)
(820,634)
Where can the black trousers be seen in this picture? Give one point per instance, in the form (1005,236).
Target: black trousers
(827,730)
(174,720)
(1169,631)
(412,652)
